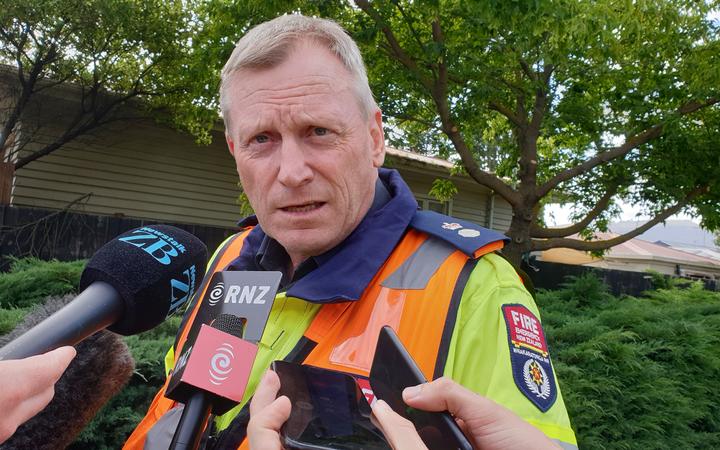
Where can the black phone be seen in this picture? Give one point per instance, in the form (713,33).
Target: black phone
(329,411)
(393,369)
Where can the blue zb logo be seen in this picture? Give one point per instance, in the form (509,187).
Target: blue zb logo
(156,247)
(180,290)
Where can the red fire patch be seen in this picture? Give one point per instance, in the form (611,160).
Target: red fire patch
(525,329)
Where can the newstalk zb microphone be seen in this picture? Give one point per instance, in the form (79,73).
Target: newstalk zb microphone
(130,285)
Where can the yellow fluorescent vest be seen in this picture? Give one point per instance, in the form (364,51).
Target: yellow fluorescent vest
(447,309)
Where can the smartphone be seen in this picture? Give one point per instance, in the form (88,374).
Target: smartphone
(393,369)
(329,411)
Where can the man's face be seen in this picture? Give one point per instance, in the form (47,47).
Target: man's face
(306,154)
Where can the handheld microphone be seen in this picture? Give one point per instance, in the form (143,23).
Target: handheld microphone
(129,286)
(211,374)
(217,367)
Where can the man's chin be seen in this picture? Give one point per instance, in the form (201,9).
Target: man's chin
(303,244)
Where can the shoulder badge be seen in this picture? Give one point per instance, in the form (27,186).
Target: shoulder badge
(461,234)
(529,357)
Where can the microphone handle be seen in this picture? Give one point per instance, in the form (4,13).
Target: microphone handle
(192,422)
(96,308)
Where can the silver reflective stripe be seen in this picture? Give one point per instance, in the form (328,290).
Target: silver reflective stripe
(161,434)
(417,270)
(565,445)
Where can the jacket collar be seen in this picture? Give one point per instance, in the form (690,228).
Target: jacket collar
(345,271)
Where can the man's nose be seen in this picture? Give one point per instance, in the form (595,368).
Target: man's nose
(294,169)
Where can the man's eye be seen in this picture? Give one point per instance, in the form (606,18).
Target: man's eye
(320,131)
(261,138)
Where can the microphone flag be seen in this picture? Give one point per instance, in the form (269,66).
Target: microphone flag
(213,360)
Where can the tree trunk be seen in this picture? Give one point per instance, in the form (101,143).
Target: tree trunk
(519,234)
(6,177)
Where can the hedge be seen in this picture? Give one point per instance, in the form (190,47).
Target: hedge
(634,372)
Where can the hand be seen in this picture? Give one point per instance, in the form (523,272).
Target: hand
(28,385)
(267,414)
(487,425)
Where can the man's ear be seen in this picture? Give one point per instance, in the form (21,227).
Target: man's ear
(378,139)
(230,143)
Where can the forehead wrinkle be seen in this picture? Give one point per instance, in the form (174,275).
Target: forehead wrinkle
(274,87)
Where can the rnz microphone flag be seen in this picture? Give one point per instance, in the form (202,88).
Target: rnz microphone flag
(214,361)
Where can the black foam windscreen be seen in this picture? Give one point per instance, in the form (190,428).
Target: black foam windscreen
(230,324)
(155,268)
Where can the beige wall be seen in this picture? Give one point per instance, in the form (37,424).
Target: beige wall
(141,171)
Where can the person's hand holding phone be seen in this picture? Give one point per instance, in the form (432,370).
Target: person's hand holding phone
(267,414)
(489,426)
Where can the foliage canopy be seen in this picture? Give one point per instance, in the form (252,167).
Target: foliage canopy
(586,103)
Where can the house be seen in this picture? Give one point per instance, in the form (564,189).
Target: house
(637,255)
(141,169)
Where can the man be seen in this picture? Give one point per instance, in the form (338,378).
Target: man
(354,252)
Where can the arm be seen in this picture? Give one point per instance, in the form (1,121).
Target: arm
(487,354)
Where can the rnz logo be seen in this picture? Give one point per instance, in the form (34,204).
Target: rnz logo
(217,293)
(254,295)
(221,364)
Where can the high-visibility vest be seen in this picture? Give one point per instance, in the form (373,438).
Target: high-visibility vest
(417,291)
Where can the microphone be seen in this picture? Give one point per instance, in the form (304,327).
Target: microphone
(101,368)
(129,286)
(214,373)
(210,376)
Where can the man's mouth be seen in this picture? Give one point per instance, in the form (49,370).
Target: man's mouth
(306,207)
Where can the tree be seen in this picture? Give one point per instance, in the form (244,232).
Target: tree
(111,60)
(587,102)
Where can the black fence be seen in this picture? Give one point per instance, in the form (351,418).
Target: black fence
(67,236)
(548,275)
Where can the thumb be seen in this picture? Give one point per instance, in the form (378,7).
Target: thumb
(443,394)
(46,369)
(56,361)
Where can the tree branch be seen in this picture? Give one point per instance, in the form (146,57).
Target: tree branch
(541,232)
(395,47)
(439,93)
(578,244)
(630,144)
(507,112)
(527,70)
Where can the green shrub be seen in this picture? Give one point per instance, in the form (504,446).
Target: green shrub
(31,280)
(637,372)
(9,318)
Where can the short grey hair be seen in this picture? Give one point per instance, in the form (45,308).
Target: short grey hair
(269,44)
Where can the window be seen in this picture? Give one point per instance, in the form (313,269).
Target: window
(430,204)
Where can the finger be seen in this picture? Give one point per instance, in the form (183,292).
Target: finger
(36,373)
(264,426)
(399,432)
(444,394)
(265,393)
(58,360)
